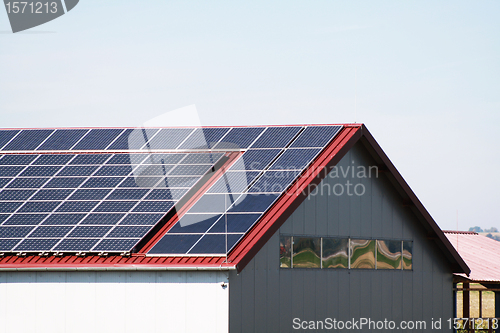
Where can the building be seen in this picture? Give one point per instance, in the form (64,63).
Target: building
(243,229)
(482,255)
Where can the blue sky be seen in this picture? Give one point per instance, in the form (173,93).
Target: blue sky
(427,73)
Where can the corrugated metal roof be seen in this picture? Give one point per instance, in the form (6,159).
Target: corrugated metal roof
(482,255)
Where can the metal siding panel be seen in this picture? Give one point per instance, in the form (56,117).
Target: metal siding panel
(355,281)
(321,212)
(298,220)
(407,295)
(365,299)
(343,295)
(297,293)
(366,217)
(386,298)
(310,220)
(322,295)
(248,297)
(332,212)
(427,289)
(309,295)
(386,217)
(273,288)
(397,296)
(376,296)
(235,301)
(285,292)
(355,216)
(260,291)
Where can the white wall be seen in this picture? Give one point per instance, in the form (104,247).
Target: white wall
(112,301)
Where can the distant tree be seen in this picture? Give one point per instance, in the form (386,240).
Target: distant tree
(490,236)
(476,229)
(492,229)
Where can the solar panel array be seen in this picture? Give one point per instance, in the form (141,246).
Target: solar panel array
(103,190)
(228,210)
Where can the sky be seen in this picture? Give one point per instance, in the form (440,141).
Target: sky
(423,76)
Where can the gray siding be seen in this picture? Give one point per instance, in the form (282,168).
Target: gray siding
(265,298)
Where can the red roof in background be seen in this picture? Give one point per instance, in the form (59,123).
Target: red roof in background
(481,253)
(262,231)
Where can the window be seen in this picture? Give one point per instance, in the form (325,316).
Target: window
(347,253)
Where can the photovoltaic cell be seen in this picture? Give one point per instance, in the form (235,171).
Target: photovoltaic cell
(127,194)
(152,170)
(171,181)
(212,203)
(89,231)
(8,244)
(25,219)
(27,182)
(233,182)
(172,158)
(50,232)
(15,194)
(274,181)
(53,159)
(117,170)
(190,170)
(116,244)
(316,136)
(14,232)
(75,245)
(121,142)
(202,158)
(175,244)
(251,203)
(194,223)
(215,243)
(33,244)
(10,171)
(204,138)
(77,170)
(17,159)
(239,223)
(28,140)
(65,182)
(6,136)
(166,194)
(62,139)
(141,219)
(86,159)
(168,138)
(40,171)
(39,206)
(95,218)
(129,232)
(276,137)
(97,139)
(115,206)
(58,194)
(86,194)
(239,138)
(3,217)
(295,159)
(63,219)
(97,182)
(9,206)
(146,182)
(4,181)
(154,206)
(255,159)
(77,206)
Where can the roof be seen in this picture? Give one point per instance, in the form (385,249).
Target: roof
(189,227)
(481,253)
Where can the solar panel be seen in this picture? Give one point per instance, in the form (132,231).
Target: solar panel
(52,159)
(25,219)
(108,201)
(6,136)
(28,140)
(16,194)
(17,159)
(63,219)
(168,138)
(276,137)
(204,138)
(295,159)
(62,139)
(316,136)
(97,139)
(239,138)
